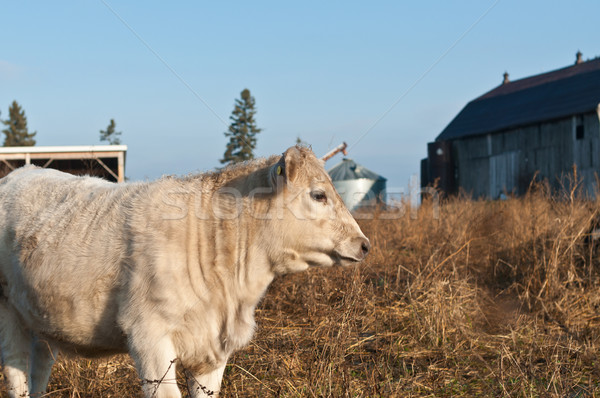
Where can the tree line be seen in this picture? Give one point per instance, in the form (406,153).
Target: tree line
(16,132)
(242,132)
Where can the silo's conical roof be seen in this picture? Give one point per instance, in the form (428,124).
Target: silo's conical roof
(348,169)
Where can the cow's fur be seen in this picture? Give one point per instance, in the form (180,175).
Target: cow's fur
(170,271)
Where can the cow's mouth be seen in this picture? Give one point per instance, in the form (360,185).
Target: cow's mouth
(344,260)
(319,258)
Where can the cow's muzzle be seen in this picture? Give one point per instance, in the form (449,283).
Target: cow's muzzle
(356,251)
(365,247)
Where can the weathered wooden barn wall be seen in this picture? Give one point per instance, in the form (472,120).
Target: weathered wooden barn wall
(506,162)
(586,149)
(471,157)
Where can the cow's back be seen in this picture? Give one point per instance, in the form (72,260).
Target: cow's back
(62,249)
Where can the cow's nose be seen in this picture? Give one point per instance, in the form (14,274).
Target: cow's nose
(365,246)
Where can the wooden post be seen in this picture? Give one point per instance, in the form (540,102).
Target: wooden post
(121,166)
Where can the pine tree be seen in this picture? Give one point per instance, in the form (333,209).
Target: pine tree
(110,134)
(16,133)
(242,130)
(301,142)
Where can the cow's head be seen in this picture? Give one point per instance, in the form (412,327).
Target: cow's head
(313,226)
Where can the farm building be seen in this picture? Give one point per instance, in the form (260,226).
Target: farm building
(535,127)
(357,185)
(106,161)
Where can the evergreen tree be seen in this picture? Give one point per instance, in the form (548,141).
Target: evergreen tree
(15,133)
(242,130)
(300,141)
(110,134)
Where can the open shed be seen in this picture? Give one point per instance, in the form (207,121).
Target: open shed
(106,161)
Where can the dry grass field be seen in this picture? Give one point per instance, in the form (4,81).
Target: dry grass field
(483,299)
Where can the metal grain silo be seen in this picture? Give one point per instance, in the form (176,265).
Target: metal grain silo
(357,185)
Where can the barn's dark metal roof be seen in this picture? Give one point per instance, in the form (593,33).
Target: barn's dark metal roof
(552,95)
(348,169)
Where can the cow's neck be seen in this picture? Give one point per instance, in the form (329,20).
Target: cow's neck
(233,268)
(230,254)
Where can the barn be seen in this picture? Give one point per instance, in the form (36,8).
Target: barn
(535,127)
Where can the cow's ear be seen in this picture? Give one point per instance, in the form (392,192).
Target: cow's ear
(293,162)
(288,166)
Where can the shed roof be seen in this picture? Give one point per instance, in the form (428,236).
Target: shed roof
(64,149)
(348,169)
(552,95)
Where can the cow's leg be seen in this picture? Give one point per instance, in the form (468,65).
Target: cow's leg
(155,359)
(207,384)
(15,346)
(43,356)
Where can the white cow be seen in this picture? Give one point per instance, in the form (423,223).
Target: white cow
(170,271)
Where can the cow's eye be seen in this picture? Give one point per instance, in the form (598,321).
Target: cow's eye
(319,196)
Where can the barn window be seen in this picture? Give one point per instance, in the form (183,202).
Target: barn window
(579,131)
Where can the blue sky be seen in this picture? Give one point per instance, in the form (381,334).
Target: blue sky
(323,71)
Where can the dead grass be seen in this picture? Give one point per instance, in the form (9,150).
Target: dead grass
(489,299)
